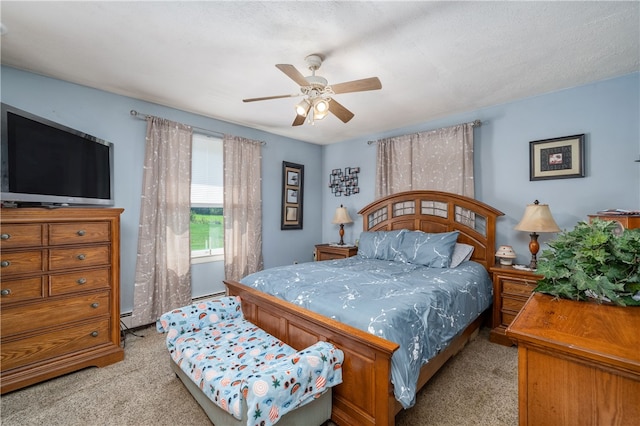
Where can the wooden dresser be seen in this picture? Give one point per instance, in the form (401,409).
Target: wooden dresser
(60,292)
(511,290)
(578,362)
(330,252)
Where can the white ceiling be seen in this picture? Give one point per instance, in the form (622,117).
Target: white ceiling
(434,58)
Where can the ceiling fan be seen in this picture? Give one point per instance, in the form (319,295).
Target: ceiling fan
(318,101)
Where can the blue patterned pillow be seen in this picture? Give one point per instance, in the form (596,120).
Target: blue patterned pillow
(380,244)
(432,250)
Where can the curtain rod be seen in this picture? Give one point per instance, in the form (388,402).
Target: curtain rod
(474,123)
(141,116)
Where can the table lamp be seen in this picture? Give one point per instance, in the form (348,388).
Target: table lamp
(537,218)
(341,217)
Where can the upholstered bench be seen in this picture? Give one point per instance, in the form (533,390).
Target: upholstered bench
(240,374)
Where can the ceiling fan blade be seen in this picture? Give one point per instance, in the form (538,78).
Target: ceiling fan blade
(363,85)
(299,120)
(293,74)
(339,111)
(266,98)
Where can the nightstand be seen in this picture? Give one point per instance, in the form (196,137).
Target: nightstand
(511,290)
(625,221)
(330,252)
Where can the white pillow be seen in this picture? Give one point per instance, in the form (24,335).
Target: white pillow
(461,253)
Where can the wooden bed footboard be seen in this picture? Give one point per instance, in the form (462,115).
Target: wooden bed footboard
(365,396)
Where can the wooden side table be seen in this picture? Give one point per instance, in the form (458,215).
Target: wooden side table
(330,252)
(578,362)
(511,289)
(623,221)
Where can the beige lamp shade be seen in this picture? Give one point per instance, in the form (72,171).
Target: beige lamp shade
(506,254)
(537,218)
(341,216)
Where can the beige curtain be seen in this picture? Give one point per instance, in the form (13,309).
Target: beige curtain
(439,160)
(163,275)
(242,207)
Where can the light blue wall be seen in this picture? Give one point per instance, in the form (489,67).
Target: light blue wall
(106,116)
(607,112)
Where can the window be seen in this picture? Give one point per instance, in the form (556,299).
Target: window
(207,226)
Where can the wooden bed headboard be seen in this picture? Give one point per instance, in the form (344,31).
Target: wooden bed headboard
(436,211)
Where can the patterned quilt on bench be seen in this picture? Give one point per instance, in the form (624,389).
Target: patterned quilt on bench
(231,360)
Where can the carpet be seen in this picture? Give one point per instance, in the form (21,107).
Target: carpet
(476,387)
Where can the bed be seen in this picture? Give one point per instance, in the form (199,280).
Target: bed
(367,395)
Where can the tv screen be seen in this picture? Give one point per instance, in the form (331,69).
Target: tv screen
(47,163)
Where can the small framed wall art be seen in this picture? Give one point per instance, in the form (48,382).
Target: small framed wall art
(558,158)
(292,191)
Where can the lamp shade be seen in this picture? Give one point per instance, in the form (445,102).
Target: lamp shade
(537,218)
(506,252)
(341,216)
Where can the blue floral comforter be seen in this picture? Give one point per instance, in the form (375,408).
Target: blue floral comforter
(233,361)
(420,308)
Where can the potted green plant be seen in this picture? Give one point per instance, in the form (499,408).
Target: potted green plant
(593,262)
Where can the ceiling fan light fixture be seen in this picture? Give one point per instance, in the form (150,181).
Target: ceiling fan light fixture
(302,107)
(320,116)
(320,109)
(321,105)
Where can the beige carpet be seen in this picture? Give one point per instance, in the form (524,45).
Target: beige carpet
(477,387)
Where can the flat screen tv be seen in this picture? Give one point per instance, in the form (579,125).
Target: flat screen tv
(46,163)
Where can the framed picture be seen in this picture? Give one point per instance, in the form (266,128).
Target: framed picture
(558,158)
(292,186)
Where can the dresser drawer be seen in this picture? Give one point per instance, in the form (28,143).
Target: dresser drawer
(78,233)
(52,313)
(20,262)
(507,318)
(79,281)
(21,289)
(517,287)
(56,343)
(78,257)
(329,256)
(513,304)
(332,252)
(16,235)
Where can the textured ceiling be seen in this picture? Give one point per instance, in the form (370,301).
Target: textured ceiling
(433,58)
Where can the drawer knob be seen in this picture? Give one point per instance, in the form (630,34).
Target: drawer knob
(94,334)
(5,291)
(81,257)
(5,236)
(82,281)
(95,305)
(81,232)
(5,263)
